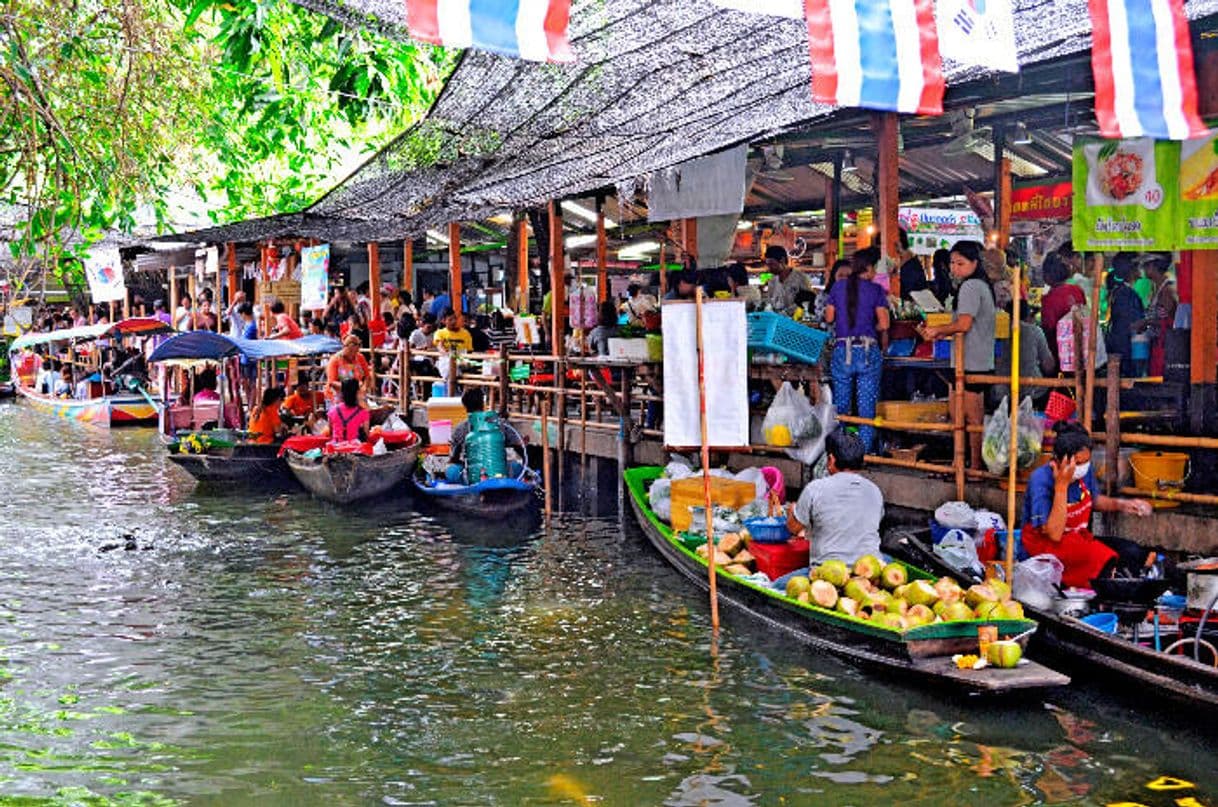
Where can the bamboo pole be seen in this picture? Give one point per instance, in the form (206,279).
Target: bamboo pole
(959,436)
(374,279)
(1112,425)
(1172,496)
(404,378)
(1097,278)
(522,266)
(1013,444)
(602,253)
(454,267)
(408,267)
(706,484)
(545,454)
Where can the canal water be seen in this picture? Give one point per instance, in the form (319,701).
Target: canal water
(162,644)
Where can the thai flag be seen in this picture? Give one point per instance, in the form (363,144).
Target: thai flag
(530,29)
(1142,60)
(880,54)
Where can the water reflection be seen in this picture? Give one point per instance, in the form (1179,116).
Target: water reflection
(165,640)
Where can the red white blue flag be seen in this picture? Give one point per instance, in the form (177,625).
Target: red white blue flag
(529,29)
(879,54)
(1142,60)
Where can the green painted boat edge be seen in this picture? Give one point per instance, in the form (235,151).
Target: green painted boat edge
(636,482)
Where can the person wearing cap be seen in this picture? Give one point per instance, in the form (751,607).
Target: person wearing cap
(346,363)
(1161,311)
(786,283)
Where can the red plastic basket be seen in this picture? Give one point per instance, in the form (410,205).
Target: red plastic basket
(1059,407)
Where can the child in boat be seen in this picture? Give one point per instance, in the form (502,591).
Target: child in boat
(348,420)
(265,424)
(63,387)
(841,512)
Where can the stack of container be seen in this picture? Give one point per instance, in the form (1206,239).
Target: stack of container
(443,415)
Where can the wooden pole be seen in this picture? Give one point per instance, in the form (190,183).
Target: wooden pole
(663,274)
(454,265)
(404,378)
(706,484)
(558,289)
(689,237)
(1093,324)
(408,267)
(171,272)
(887,128)
(231,251)
(522,265)
(1003,213)
(505,367)
(374,277)
(1013,445)
(1112,425)
(602,253)
(833,200)
(545,453)
(958,436)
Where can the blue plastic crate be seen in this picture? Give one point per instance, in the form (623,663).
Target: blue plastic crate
(774,333)
(767,530)
(943,349)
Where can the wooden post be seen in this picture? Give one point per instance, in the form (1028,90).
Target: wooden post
(887,128)
(706,483)
(1003,212)
(833,201)
(231,252)
(173,293)
(1112,426)
(1013,445)
(505,367)
(959,438)
(522,265)
(1093,324)
(1203,344)
(404,379)
(408,267)
(454,265)
(602,253)
(558,290)
(545,453)
(689,237)
(374,278)
(663,274)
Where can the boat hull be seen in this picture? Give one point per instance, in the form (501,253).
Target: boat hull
(112,410)
(246,465)
(1094,654)
(347,478)
(843,636)
(493,498)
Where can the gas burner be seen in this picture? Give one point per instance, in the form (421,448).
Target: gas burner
(1128,613)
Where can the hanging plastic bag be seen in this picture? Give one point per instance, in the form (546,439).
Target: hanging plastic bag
(789,419)
(1036,580)
(812,446)
(1030,435)
(996,438)
(959,551)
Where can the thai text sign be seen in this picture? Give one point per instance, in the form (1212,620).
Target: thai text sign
(1035,202)
(931,228)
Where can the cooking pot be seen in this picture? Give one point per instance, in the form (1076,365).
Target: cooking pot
(1137,590)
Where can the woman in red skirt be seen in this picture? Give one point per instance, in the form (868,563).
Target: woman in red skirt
(1057,513)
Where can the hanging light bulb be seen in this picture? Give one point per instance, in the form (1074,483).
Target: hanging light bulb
(1021,136)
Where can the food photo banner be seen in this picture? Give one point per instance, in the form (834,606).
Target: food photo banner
(932,228)
(1146,194)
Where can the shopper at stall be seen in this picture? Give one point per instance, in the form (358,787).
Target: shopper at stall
(1125,312)
(638,305)
(941,274)
(1057,513)
(683,285)
(285,327)
(1059,299)
(913,274)
(786,282)
(1035,361)
(973,317)
(184,316)
(266,425)
(606,329)
(1161,312)
(840,513)
(858,311)
(454,337)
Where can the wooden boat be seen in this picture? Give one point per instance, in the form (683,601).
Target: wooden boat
(7,391)
(244,464)
(490,498)
(109,406)
(1090,653)
(347,478)
(923,654)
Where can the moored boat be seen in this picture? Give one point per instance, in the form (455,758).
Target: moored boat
(1089,652)
(489,498)
(922,654)
(351,477)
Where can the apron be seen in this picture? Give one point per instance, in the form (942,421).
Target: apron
(1083,555)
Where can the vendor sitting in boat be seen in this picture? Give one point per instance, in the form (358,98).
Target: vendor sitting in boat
(348,420)
(473,401)
(266,426)
(347,363)
(841,512)
(1057,513)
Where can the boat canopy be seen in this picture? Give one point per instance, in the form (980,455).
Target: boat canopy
(134,326)
(207,345)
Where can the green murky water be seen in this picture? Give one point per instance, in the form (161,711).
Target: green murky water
(159,644)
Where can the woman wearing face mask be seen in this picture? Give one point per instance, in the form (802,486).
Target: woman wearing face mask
(1057,513)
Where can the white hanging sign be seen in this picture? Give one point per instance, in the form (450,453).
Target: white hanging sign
(104,273)
(725,342)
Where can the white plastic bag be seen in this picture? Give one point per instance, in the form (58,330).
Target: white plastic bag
(754,476)
(789,419)
(660,499)
(956,515)
(1036,580)
(959,551)
(394,423)
(379,448)
(812,448)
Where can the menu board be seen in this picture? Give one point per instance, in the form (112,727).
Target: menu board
(932,228)
(725,341)
(1198,215)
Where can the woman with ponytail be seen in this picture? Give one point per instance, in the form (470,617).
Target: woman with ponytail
(858,311)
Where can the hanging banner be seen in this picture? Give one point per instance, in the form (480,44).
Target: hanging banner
(978,32)
(1126,194)
(725,342)
(536,31)
(1198,213)
(1040,202)
(314,277)
(104,273)
(931,228)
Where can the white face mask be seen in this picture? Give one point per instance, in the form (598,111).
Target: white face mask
(1081,470)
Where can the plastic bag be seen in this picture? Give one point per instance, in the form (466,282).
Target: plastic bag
(394,423)
(1078,318)
(812,447)
(957,515)
(1036,580)
(959,551)
(789,419)
(379,448)
(660,499)
(996,439)
(755,476)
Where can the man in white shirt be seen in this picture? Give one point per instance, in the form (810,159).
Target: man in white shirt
(786,284)
(841,513)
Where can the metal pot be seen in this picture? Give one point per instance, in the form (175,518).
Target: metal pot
(1202,589)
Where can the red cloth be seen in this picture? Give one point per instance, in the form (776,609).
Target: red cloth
(348,447)
(377,331)
(1079,551)
(1055,305)
(302,443)
(775,560)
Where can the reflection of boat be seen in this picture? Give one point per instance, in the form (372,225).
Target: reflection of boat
(923,653)
(107,404)
(7,391)
(1101,656)
(346,478)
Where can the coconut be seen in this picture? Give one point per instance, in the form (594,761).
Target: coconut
(939,607)
(803,597)
(893,575)
(956,611)
(887,620)
(948,589)
(731,543)
(1011,609)
(919,615)
(898,605)
(868,566)
(882,601)
(978,594)
(899,591)
(1001,589)
(920,592)
(1003,654)
(738,569)
(986,611)
(824,593)
(848,605)
(858,589)
(745,558)
(721,558)
(797,585)
(834,571)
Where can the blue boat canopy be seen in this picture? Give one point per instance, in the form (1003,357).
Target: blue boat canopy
(196,345)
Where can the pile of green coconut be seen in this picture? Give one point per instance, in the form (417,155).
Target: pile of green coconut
(884,595)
